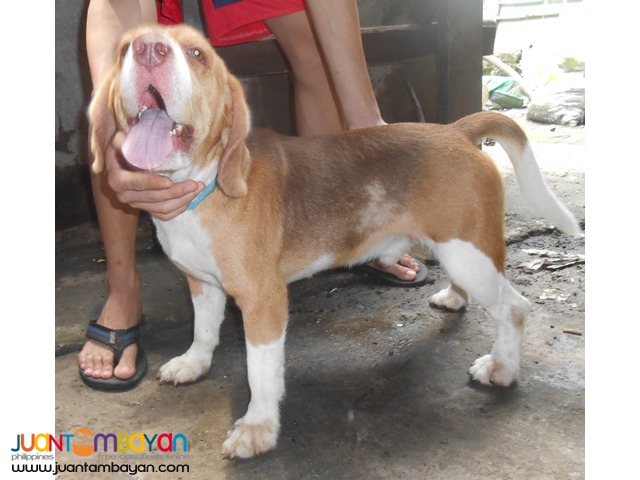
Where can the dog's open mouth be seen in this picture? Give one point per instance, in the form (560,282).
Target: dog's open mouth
(153,134)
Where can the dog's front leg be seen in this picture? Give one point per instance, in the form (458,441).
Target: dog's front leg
(265,327)
(208,306)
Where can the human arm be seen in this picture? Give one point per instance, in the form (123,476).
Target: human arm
(146,191)
(107,21)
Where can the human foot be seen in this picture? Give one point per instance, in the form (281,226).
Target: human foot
(407,272)
(405,269)
(96,360)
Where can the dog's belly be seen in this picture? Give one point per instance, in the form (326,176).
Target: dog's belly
(323,262)
(187,244)
(387,249)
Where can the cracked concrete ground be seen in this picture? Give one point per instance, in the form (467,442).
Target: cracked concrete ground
(377,384)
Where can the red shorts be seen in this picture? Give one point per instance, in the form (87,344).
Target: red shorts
(232,21)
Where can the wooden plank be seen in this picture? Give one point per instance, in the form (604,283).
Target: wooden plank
(399,43)
(253,59)
(382,45)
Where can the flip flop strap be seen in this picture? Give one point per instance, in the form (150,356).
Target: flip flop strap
(117,340)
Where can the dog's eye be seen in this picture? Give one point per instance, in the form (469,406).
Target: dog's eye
(197,54)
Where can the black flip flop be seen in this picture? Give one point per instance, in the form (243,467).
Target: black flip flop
(116,340)
(419,281)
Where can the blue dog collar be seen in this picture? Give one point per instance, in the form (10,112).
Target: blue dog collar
(203,194)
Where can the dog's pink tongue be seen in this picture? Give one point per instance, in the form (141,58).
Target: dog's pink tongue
(149,141)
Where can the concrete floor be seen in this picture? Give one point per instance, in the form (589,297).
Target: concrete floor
(377,384)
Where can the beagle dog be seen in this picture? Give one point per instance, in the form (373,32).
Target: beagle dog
(280,208)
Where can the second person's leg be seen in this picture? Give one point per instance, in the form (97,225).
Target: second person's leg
(332,87)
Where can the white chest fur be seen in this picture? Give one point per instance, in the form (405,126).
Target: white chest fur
(188,245)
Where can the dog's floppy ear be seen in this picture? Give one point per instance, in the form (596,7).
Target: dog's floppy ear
(102,124)
(235,161)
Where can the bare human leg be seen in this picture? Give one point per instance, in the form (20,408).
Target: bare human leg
(316,105)
(107,20)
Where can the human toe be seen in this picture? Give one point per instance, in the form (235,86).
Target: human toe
(96,362)
(126,367)
(409,262)
(399,271)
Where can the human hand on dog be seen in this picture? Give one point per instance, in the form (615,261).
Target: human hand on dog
(152,193)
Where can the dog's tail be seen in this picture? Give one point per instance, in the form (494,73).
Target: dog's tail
(515,142)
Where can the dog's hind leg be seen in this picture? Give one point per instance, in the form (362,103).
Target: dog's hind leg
(473,271)
(208,305)
(264,314)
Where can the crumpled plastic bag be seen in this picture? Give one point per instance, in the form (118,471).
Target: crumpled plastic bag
(559,103)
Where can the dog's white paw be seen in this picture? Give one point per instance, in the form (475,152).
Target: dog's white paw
(448,299)
(489,372)
(183,369)
(246,440)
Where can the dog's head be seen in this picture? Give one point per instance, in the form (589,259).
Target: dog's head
(178,105)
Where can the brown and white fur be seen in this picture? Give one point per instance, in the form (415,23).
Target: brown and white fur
(288,207)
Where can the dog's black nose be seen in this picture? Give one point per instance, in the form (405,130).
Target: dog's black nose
(150,53)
